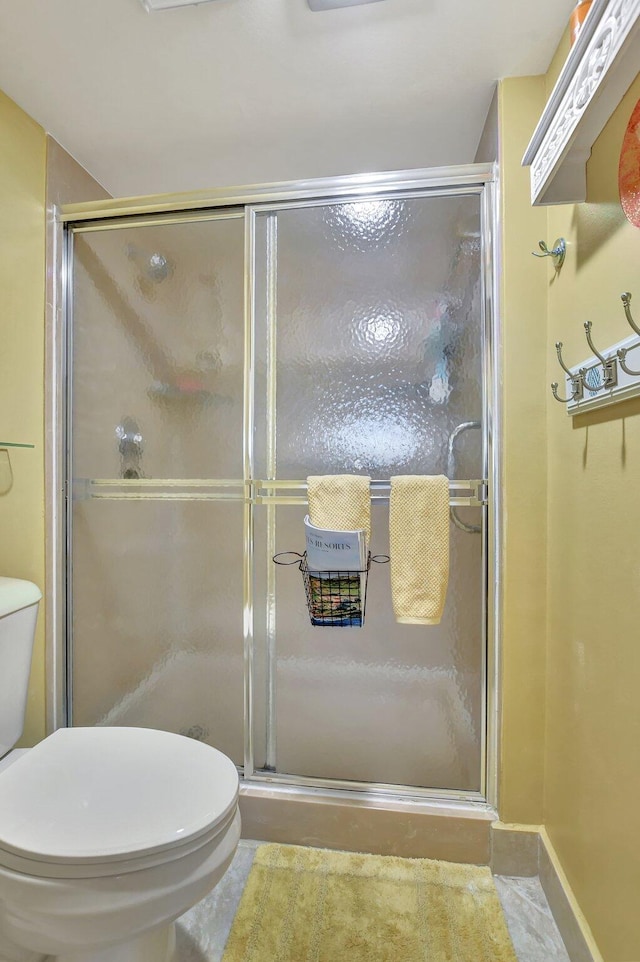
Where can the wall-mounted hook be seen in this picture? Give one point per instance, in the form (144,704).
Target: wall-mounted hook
(623,351)
(601,379)
(626,303)
(557,252)
(560,361)
(609,365)
(577,389)
(576,392)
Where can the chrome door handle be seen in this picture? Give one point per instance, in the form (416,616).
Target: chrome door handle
(451,472)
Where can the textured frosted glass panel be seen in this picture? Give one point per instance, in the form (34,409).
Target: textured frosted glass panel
(157,618)
(369,354)
(158,351)
(390,703)
(378,335)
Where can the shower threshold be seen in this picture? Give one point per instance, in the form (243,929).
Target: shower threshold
(364,821)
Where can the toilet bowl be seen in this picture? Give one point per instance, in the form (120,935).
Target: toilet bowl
(107,835)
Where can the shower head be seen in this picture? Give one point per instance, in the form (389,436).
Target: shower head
(158,267)
(153,267)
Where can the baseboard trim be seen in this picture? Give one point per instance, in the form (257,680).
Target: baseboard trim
(515,849)
(574,928)
(525,851)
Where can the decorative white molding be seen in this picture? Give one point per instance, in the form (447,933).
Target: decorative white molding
(603,62)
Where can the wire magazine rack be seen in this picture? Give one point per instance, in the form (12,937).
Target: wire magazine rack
(335,599)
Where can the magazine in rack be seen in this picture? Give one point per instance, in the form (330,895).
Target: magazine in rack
(337,564)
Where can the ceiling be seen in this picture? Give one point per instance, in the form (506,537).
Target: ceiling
(237,92)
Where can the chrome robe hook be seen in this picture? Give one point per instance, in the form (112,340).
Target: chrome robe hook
(626,303)
(609,365)
(576,392)
(560,361)
(577,389)
(622,351)
(557,252)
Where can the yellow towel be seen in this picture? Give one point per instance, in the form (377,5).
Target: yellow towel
(340,502)
(419,547)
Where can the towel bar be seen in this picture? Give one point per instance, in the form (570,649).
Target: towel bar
(463,494)
(473,493)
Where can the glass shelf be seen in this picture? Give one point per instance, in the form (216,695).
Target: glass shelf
(14,444)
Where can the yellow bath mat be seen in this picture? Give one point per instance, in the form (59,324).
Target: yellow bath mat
(419,547)
(313,905)
(340,502)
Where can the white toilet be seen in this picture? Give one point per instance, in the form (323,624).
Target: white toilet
(106,834)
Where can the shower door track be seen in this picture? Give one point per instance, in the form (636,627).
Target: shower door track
(185,208)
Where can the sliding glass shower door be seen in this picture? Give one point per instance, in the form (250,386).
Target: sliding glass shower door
(369,355)
(215,361)
(157,358)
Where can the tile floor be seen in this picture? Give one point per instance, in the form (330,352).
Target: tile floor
(202,932)
(533,931)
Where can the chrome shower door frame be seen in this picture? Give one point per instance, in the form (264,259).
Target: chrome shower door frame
(475,179)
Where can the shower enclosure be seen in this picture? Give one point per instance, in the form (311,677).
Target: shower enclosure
(220,352)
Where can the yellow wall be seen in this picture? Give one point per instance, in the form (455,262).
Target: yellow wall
(22,279)
(576,670)
(592,782)
(524,343)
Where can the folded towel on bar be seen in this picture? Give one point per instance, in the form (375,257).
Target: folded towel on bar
(419,547)
(340,502)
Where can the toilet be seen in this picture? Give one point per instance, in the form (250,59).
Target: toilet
(107,835)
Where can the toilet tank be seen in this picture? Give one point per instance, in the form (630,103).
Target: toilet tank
(18,615)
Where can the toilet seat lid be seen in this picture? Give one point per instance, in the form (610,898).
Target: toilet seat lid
(16,594)
(105,794)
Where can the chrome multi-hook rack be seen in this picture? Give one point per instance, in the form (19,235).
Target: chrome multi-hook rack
(605,377)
